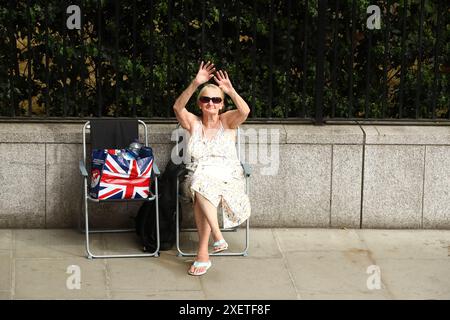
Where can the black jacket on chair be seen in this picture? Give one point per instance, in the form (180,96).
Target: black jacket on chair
(146,217)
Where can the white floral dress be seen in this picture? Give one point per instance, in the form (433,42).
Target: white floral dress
(216,173)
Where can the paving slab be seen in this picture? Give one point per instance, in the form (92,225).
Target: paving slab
(248,278)
(163,295)
(318,239)
(422,279)
(332,273)
(5,295)
(5,239)
(46,278)
(5,271)
(262,243)
(372,295)
(165,273)
(38,243)
(405,244)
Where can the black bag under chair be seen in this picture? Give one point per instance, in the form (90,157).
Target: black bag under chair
(146,217)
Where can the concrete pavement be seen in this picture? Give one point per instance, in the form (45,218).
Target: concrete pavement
(282,264)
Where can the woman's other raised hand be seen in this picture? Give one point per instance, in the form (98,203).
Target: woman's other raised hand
(205,72)
(223,81)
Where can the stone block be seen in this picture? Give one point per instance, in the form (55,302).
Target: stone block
(346,186)
(393,186)
(22,185)
(302,189)
(64,185)
(407,135)
(436,199)
(329,134)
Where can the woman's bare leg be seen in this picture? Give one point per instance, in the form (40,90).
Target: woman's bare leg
(205,215)
(203,230)
(210,212)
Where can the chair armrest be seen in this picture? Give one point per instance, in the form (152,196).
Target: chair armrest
(181,171)
(83,169)
(247,169)
(156,169)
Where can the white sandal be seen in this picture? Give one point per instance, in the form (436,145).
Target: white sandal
(220,246)
(198,264)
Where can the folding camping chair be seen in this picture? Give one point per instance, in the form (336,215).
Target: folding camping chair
(247,173)
(115,134)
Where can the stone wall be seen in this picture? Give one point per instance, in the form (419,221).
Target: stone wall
(369,176)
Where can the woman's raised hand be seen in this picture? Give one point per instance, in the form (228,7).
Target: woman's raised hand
(205,72)
(224,82)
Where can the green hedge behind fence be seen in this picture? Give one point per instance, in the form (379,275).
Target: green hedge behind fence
(137,59)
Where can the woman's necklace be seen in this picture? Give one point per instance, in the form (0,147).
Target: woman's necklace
(215,127)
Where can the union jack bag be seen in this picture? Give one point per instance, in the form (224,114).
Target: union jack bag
(118,174)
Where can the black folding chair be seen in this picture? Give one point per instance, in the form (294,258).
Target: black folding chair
(115,134)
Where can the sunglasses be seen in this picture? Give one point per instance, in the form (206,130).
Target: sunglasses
(215,100)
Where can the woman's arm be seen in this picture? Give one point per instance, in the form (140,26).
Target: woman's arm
(186,118)
(232,118)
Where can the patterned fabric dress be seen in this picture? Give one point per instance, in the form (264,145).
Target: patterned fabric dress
(215,172)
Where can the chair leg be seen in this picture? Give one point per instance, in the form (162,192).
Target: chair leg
(91,255)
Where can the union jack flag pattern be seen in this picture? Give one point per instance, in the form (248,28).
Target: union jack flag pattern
(121,177)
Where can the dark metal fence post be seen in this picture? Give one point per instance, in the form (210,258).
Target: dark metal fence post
(335,59)
(47,61)
(320,61)
(305,60)
(436,79)
(151,98)
(352,59)
(271,49)
(83,63)
(116,57)
(169,44)
(419,62)
(237,55)
(202,52)
(98,62)
(134,31)
(186,78)
(64,58)
(403,61)
(253,54)
(287,64)
(13,65)
(30,58)
(386,58)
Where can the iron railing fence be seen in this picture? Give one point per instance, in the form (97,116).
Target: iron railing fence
(312,60)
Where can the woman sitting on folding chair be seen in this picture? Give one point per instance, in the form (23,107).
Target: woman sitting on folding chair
(216,173)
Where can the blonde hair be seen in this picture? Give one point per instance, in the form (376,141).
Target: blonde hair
(210,85)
